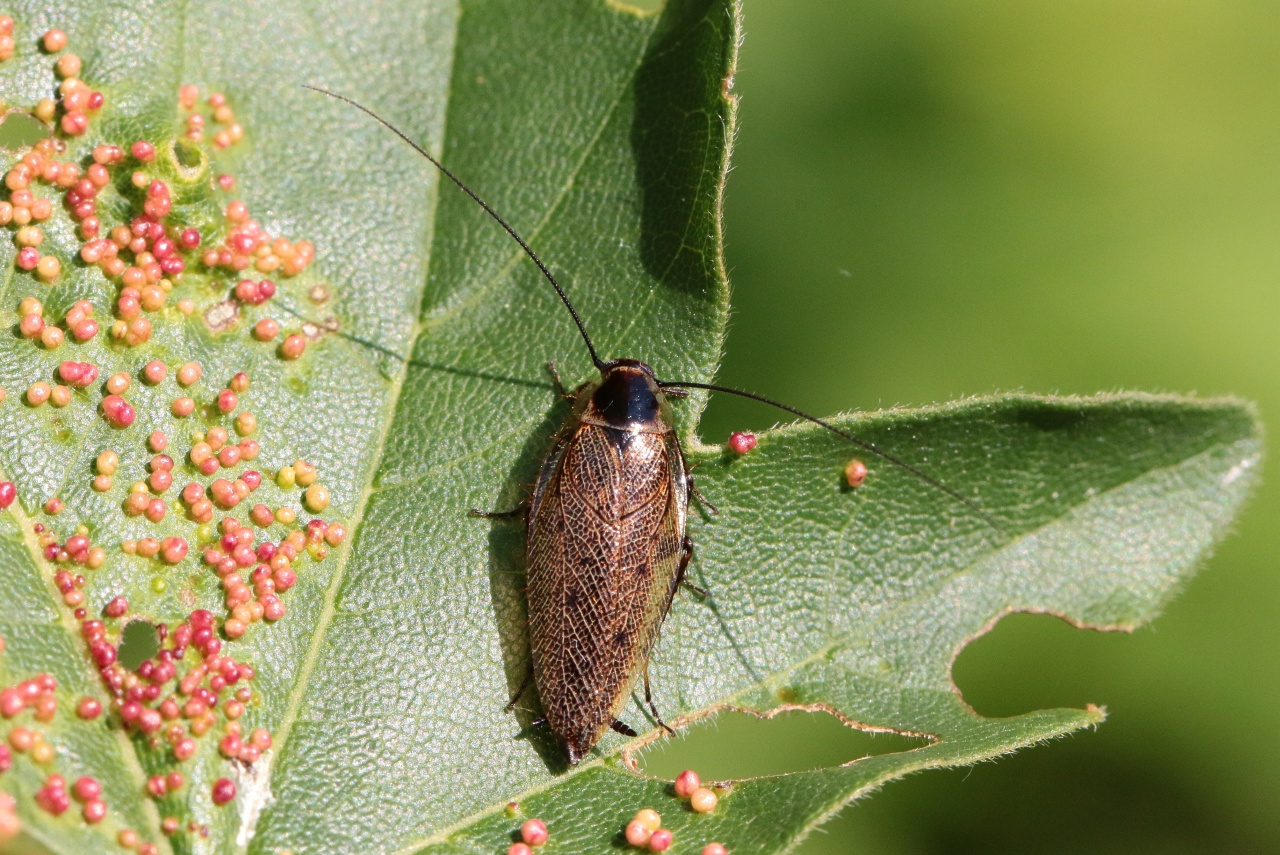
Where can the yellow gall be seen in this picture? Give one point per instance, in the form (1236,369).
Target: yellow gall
(30,306)
(266,329)
(703,800)
(153,298)
(68,65)
(43,753)
(136,503)
(60,396)
(217,437)
(107,462)
(52,337)
(286,516)
(118,383)
(316,498)
(101,483)
(48,268)
(38,393)
(54,41)
(139,332)
(183,407)
(189,373)
(648,818)
(246,423)
(286,477)
(305,473)
(202,511)
(29,235)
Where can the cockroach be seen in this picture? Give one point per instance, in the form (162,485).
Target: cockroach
(607,544)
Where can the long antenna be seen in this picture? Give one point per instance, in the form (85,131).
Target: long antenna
(862,443)
(595,358)
(483,204)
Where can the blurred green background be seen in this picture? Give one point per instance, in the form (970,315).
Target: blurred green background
(934,199)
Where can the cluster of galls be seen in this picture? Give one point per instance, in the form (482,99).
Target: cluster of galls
(645,831)
(247,245)
(533,832)
(191,687)
(230,131)
(146,256)
(38,695)
(78,322)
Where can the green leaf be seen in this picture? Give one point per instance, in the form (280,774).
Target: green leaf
(601,135)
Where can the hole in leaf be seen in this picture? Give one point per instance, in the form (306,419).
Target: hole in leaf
(189,158)
(1035,661)
(21,130)
(732,745)
(138,642)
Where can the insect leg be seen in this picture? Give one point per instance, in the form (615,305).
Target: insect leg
(518,511)
(560,389)
(524,684)
(697,494)
(623,728)
(681,579)
(648,699)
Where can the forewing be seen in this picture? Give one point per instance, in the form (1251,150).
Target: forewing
(604,547)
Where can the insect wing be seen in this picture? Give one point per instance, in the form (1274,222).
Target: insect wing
(606,533)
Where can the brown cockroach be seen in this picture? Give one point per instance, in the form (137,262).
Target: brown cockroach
(607,545)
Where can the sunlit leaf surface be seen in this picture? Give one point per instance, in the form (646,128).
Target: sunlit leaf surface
(602,135)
